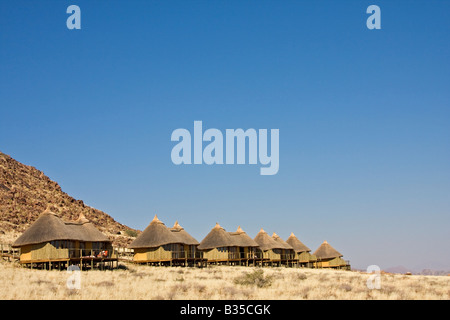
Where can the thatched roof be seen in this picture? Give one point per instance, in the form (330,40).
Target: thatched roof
(155,235)
(297,244)
(183,237)
(266,242)
(49,227)
(281,242)
(242,239)
(216,238)
(325,251)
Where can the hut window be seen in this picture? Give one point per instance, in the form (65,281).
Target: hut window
(172,247)
(98,245)
(222,249)
(59,244)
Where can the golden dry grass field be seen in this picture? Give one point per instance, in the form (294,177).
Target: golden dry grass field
(216,282)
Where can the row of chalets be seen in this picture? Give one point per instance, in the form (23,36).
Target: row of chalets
(52,242)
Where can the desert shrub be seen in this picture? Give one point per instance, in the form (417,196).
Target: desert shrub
(41,281)
(131,233)
(229,291)
(256,278)
(180,288)
(199,287)
(72,292)
(346,287)
(323,278)
(304,292)
(302,276)
(105,284)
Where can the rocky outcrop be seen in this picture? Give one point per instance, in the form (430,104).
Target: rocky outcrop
(25,192)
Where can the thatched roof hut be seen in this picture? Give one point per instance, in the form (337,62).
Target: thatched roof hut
(242,239)
(216,238)
(297,244)
(155,235)
(182,236)
(266,242)
(218,246)
(302,252)
(326,251)
(49,227)
(52,240)
(159,244)
(328,257)
(283,243)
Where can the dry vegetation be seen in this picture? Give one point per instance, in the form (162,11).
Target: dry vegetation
(217,282)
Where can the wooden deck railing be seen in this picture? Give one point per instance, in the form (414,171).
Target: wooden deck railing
(6,250)
(244,255)
(187,255)
(92,253)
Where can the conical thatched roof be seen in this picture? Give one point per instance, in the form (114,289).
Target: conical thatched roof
(282,242)
(297,244)
(325,251)
(242,239)
(216,238)
(266,242)
(49,227)
(155,235)
(183,237)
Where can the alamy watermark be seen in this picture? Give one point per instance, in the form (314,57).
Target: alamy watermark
(374,281)
(374,20)
(74,280)
(235,140)
(73,22)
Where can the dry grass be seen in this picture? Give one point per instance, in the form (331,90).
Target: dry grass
(219,282)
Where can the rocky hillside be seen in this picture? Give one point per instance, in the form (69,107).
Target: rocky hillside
(25,192)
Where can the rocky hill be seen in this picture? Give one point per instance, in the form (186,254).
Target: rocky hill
(26,192)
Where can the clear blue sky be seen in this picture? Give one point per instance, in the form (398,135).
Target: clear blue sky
(363,115)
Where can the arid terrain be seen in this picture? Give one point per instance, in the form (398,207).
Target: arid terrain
(25,192)
(216,282)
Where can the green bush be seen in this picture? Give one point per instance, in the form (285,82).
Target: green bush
(131,233)
(302,276)
(256,278)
